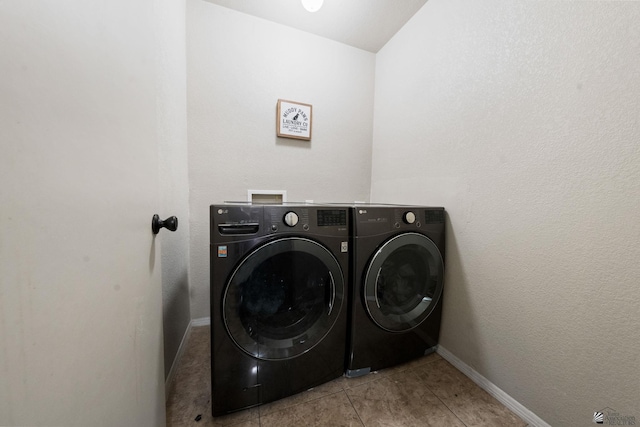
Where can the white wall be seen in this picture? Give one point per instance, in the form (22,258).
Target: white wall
(174,176)
(523,120)
(238,66)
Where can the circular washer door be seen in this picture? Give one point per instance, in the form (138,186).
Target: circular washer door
(283,298)
(403,282)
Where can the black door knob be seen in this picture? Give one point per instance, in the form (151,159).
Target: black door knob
(170,223)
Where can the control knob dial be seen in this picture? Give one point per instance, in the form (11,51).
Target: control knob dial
(291,219)
(409,217)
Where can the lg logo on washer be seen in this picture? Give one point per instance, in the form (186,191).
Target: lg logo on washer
(223,211)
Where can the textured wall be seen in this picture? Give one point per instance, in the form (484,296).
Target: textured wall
(522,119)
(238,66)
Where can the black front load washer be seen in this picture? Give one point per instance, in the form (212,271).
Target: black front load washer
(278,301)
(397,272)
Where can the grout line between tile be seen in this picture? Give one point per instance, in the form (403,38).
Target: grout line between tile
(354,408)
(445,405)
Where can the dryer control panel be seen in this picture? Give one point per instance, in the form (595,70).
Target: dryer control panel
(372,219)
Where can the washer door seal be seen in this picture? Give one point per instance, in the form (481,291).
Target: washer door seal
(403,282)
(283,298)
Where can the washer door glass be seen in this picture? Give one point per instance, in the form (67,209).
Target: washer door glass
(283,298)
(403,282)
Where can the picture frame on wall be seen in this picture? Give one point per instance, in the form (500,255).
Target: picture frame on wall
(294,120)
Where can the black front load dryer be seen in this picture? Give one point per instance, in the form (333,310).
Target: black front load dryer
(278,301)
(397,282)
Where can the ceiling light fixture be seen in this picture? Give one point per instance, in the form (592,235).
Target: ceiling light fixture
(312,5)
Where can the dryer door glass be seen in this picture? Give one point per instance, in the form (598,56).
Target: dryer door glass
(283,298)
(403,282)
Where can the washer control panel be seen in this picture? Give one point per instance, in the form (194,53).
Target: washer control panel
(332,217)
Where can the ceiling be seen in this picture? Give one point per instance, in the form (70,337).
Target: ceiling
(365,24)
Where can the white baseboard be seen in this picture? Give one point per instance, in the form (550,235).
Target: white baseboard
(203,321)
(508,401)
(176,360)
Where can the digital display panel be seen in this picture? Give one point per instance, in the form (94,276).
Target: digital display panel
(434,216)
(332,217)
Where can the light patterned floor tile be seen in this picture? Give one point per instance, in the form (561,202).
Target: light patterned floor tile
(331,411)
(474,406)
(425,392)
(400,400)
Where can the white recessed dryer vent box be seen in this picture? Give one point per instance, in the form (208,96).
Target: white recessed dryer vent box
(267,196)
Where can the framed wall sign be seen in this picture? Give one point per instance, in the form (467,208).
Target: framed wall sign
(294,120)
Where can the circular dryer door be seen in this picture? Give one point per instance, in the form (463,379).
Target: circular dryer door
(403,282)
(283,298)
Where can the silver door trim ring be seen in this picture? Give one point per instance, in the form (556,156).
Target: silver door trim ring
(266,348)
(402,322)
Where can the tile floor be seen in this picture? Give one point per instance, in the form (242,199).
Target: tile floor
(426,392)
